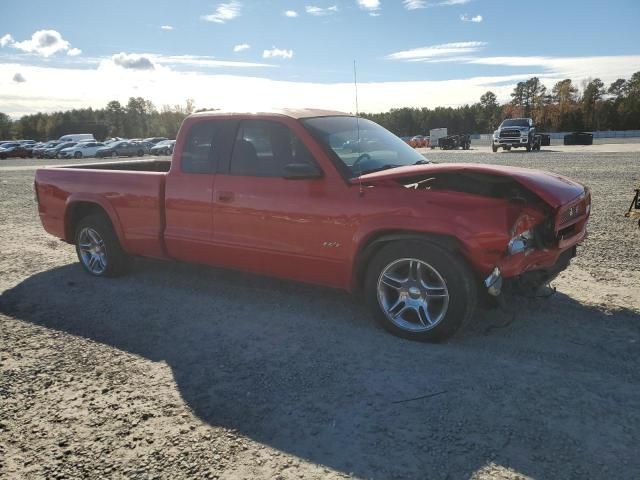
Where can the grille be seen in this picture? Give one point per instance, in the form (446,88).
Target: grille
(510,133)
(573,212)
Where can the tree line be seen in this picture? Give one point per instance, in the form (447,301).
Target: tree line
(566,107)
(139,118)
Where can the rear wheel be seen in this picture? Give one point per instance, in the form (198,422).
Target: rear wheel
(140,153)
(98,248)
(78,155)
(420,291)
(114,154)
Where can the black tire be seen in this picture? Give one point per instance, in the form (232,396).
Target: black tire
(507,148)
(494,149)
(77,155)
(528,146)
(460,282)
(114,154)
(140,153)
(116,258)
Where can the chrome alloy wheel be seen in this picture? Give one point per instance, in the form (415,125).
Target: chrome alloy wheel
(412,294)
(92,251)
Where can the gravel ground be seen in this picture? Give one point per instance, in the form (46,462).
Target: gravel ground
(180,371)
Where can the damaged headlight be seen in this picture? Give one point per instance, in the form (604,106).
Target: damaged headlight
(522,234)
(520,243)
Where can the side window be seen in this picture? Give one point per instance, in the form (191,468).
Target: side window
(199,154)
(263,148)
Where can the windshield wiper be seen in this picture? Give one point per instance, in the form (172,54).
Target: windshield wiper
(379,169)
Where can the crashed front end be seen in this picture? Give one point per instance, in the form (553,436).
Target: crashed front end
(541,246)
(513,225)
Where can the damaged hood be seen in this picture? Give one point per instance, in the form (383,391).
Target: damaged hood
(554,189)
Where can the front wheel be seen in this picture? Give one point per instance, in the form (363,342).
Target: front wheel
(98,248)
(494,149)
(78,155)
(140,153)
(420,291)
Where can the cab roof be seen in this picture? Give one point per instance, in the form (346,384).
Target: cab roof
(296,113)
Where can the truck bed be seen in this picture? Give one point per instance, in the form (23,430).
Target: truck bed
(130,193)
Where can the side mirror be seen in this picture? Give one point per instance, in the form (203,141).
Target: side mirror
(301,171)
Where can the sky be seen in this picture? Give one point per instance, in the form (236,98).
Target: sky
(250,55)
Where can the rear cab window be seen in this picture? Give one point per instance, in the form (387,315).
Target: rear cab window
(263,148)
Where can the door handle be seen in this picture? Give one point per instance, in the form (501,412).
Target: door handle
(225,196)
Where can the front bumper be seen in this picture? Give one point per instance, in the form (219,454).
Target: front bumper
(530,279)
(511,141)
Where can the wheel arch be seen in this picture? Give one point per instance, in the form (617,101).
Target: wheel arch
(374,242)
(81,207)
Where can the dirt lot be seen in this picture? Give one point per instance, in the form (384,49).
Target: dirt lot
(180,371)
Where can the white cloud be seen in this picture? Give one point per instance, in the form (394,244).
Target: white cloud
(372,6)
(474,19)
(74,52)
(277,52)
(241,47)
(166,27)
(320,12)
(6,40)
(224,12)
(42,42)
(416,4)
(291,13)
(53,89)
(163,63)
(133,61)
(200,61)
(436,51)
(19,78)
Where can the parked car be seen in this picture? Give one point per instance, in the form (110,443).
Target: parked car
(29,147)
(55,151)
(123,148)
(38,152)
(164,147)
(417,141)
(146,146)
(109,141)
(422,242)
(77,137)
(155,140)
(15,149)
(81,150)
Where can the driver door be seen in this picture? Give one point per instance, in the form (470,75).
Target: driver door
(265,223)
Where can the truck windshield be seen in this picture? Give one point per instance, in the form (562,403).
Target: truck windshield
(516,122)
(362,145)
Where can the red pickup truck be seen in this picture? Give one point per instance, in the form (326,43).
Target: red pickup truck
(326,198)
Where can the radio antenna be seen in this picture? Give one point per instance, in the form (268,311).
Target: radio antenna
(355,85)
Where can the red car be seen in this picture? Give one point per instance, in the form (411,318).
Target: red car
(279,194)
(14,150)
